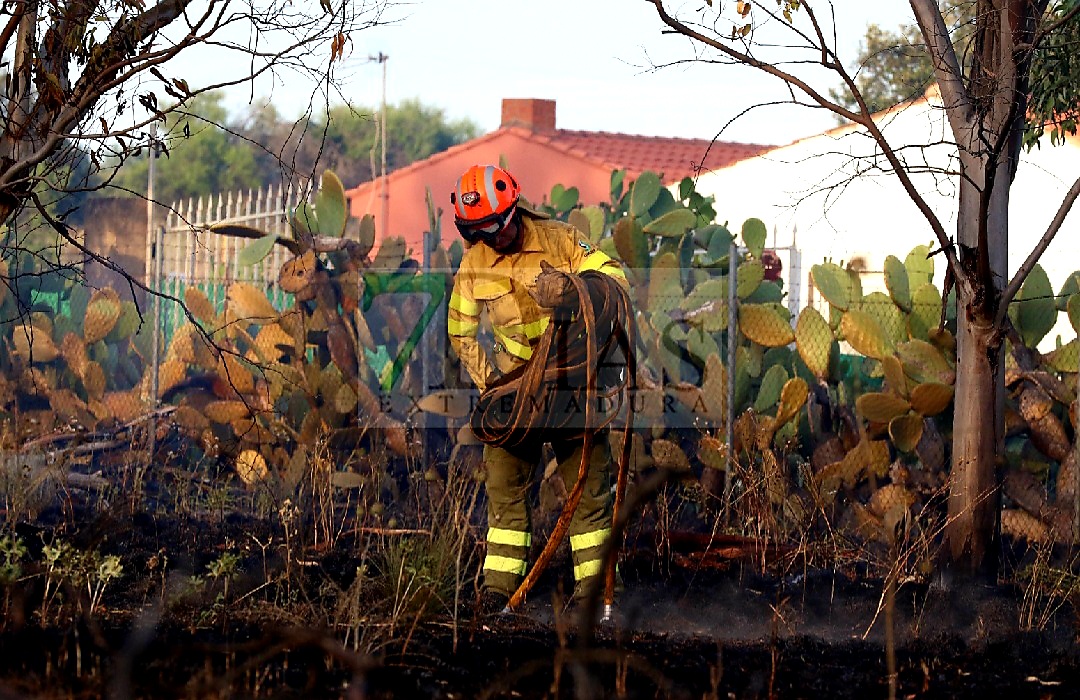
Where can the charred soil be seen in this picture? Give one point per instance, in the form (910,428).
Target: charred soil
(683,634)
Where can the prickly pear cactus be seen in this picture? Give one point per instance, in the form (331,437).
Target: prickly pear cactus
(321,370)
(76,362)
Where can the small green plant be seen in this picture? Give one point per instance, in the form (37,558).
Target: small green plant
(60,559)
(12,551)
(100,572)
(225,568)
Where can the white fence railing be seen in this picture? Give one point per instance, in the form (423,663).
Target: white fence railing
(193,256)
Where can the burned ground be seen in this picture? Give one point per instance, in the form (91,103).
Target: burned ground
(231,591)
(284,628)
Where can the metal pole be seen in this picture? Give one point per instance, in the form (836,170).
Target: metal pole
(733,342)
(426,358)
(159,242)
(154,283)
(382,131)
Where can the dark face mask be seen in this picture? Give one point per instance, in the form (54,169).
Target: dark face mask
(487,233)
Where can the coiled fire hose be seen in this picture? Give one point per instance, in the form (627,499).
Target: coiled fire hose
(591,358)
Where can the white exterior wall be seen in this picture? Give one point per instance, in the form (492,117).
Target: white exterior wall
(835,197)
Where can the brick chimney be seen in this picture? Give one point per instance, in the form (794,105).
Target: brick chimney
(538,115)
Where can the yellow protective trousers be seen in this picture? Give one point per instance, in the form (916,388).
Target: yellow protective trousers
(509,533)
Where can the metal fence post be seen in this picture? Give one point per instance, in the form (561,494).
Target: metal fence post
(155,352)
(425,361)
(729,413)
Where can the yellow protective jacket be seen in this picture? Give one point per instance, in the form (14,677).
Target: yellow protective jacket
(500,283)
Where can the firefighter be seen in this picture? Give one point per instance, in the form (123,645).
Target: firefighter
(498,274)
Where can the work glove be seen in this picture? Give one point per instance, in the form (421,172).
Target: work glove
(555,291)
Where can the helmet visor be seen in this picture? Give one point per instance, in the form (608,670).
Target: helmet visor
(486,231)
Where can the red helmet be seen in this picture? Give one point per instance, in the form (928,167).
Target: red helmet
(484,199)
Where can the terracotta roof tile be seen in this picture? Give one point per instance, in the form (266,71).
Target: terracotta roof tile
(676,158)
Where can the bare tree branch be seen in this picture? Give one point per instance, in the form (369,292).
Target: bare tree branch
(864,117)
(958,105)
(1044,242)
(745,58)
(58,83)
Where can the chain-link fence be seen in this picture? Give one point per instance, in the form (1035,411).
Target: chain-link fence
(747,376)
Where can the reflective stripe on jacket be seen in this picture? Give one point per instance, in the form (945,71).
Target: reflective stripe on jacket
(499,283)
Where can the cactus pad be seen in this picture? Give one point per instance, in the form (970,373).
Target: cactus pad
(761,324)
(879,407)
(905,431)
(833,283)
(862,331)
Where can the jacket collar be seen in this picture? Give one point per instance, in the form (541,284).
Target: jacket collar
(529,229)
(530,237)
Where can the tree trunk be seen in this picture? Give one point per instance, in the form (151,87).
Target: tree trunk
(972,532)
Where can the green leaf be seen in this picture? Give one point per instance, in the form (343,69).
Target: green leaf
(304,222)
(564,199)
(686,187)
(256,251)
(595,216)
(367,233)
(863,333)
(457,250)
(887,314)
(78,299)
(1036,307)
(644,193)
(925,311)
(763,325)
(686,257)
(833,283)
(665,202)
(1066,358)
(1069,288)
(331,205)
(924,362)
(127,324)
(720,240)
(1073,307)
(748,278)
(711,294)
(673,224)
(769,392)
(767,293)
(632,246)
(617,177)
(700,345)
(920,268)
(669,336)
(906,431)
(813,340)
(753,236)
(665,286)
(896,281)
(391,254)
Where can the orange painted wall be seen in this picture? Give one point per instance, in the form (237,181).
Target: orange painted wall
(536,165)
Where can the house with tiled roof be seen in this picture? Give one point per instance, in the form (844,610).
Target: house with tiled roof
(834,196)
(540,155)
